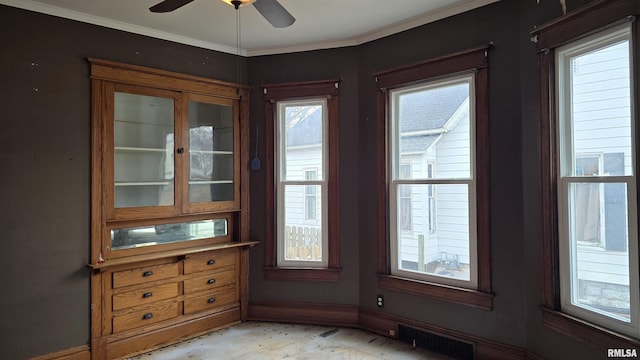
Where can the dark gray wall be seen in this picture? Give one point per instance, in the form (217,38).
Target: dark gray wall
(45,115)
(307,66)
(497,23)
(45,162)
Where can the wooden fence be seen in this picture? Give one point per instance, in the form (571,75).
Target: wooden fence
(303,243)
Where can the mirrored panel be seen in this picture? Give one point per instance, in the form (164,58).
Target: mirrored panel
(126,238)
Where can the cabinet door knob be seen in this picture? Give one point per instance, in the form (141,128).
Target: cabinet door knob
(211,281)
(211,262)
(147,273)
(146,295)
(180,150)
(147,316)
(211,300)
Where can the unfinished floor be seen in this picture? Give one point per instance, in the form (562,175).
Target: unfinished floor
(261,340)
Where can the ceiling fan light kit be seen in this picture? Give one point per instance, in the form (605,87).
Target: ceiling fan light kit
(238,3)
(271,10)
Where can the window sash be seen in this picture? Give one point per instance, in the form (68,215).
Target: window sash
(568,159)
(396,179)
(282,183)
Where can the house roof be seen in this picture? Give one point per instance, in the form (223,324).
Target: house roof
(419,111)
(430,109)
(307,130)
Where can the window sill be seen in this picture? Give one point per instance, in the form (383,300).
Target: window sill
(304,274)
(585,331)
(468,297)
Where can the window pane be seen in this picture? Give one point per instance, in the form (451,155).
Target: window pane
(210,152)
(599,248)
(433,125)
(301,131)
(439,242)
(601,108)
(143,154)
(302,236)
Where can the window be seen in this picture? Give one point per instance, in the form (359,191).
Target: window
(599,281)
(301,143)
(405,217)
(434,116)
(311,196)
(433,122)
(302,180)
(589,215)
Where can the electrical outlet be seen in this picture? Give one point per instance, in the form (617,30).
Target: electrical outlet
(380,301)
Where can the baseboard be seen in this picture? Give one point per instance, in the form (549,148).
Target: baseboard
(386,324)
(377,322)
(76,353)
(349,316)
(305,313)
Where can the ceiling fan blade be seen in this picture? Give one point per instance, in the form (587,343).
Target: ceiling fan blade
(168,5)
(275,13)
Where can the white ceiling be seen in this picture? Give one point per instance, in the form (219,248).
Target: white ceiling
(211,24)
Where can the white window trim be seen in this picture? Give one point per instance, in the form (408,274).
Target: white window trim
(394,166)
(567,176)
(280,185)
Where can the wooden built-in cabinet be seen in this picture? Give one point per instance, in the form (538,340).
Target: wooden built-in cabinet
(169,216)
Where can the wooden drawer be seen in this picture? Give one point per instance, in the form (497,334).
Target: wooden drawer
(210,281)
(212,261)
(145,296)
(211,301)
(144,274)
(145,317)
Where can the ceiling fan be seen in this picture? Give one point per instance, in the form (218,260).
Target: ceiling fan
(271,10)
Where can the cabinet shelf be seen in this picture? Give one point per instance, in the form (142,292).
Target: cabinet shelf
(143,183)
(214,152)
(170,253)
(132,149)
(205,182)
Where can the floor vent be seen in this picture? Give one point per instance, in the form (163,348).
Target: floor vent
(439,344)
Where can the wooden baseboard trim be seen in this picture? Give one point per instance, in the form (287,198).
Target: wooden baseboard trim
(76,353)
(338,315)
(305,313)
(382,323)
(377,322)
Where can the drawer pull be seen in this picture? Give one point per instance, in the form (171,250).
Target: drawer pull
(211,281)
(147,273)
(211,300)
(147,316)
(147,294)
(211,262)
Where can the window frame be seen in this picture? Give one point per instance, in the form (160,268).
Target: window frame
(473,61)
(568,176)
(272,94)
(282,183)
(588,19)
(396,180)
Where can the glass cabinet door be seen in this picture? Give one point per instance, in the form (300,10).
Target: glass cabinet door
(213,168)
(143,150)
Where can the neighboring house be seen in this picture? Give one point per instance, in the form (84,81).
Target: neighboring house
(602,145)
(434,143)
